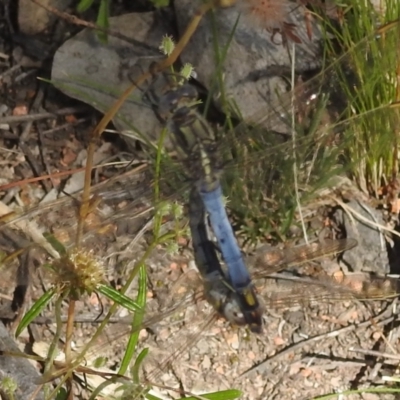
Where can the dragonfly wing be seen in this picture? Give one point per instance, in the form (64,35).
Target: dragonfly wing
(303,291)
(289,292)
(268,261)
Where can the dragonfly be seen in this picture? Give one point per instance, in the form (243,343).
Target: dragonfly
(196,141)
(241,150)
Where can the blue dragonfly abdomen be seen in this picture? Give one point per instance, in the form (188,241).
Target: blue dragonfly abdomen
(240,307)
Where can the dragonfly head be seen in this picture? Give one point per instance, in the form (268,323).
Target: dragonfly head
(239,308)
(243,308)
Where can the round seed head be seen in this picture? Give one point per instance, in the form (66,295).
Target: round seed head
(79,271)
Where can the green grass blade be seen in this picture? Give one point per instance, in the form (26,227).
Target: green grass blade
(137,321)
(57,245)
(103,20)
(84,5)
(223,395)
(136,366)
(119,298)
(35,310)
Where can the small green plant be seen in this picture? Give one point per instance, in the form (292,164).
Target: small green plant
(103,15)
(368,80)
(77,273)
(9,387)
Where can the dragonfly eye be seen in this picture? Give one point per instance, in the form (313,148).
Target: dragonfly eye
(232,312)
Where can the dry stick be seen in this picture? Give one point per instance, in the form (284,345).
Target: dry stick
(65,126)
(317,338)
(351,212)
(37,102)
(376,353)
(36,167)
(24,75)
(10,71)
(13,119)
(29,228)
(61,174)
(40,178)
(378,365)
(293,129)
(70,330)
(332,363)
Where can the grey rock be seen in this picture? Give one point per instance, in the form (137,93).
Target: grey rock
(253,56)
(18,368)
(370,255)
(33,19)
(97,73)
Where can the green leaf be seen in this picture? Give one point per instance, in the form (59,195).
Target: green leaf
(160,3)
(136,323)
(84,5)
(152,397)
(35,310)
(138,362)
(223,395)
(119,298)
(103,19)
(62,394)
(55,244)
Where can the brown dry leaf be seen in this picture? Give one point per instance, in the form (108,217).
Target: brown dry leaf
(94,300)
(69,156)
(173,266)
(395,206)
(279,341)
(306,372)
(182,241)
(70,119)
(295,368)
(20,110)
(233,341)
(220,370)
